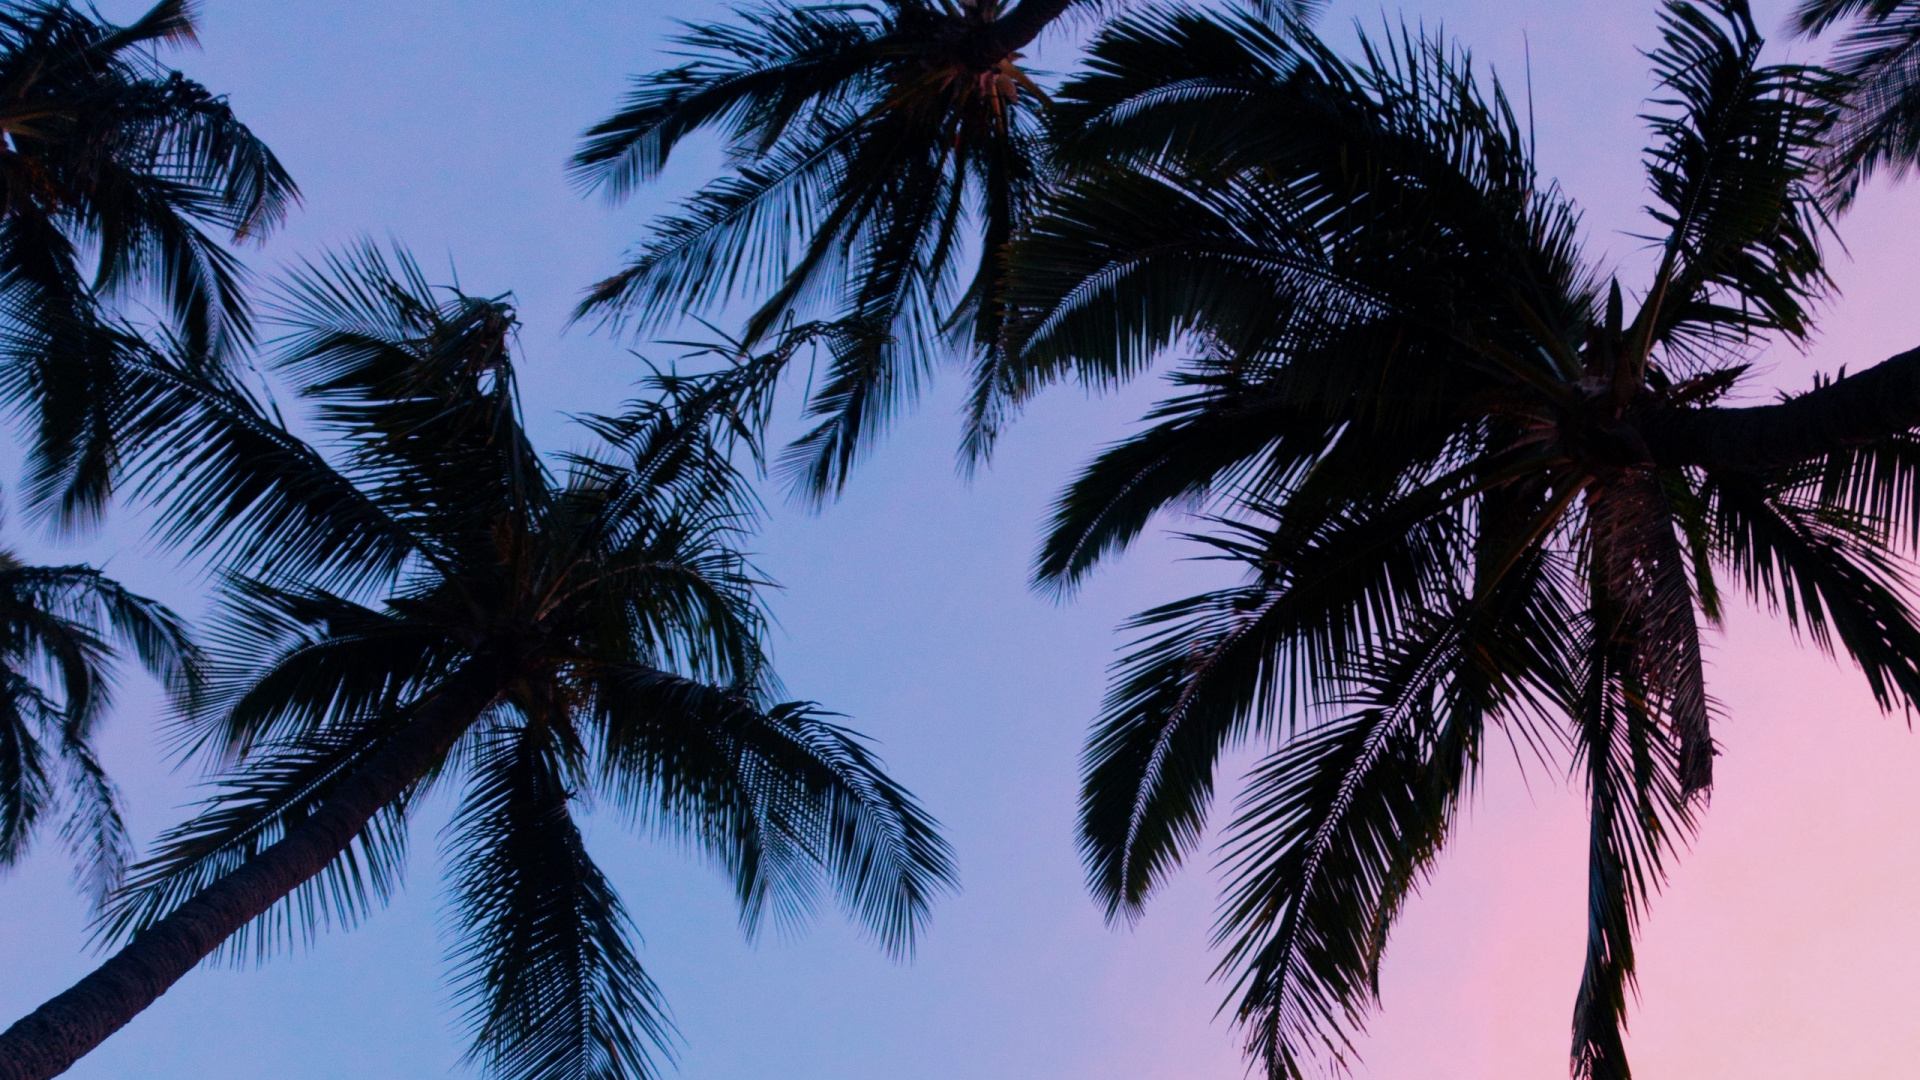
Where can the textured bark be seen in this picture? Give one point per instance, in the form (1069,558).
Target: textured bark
(1859,409)
(51,1038)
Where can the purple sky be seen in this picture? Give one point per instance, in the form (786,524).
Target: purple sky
(1783,948)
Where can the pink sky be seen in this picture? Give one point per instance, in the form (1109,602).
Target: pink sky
(1786,943)
(1781,949)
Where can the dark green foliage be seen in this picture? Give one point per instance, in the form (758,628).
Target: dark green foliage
(107,157)
(553,987)
(1880,129)
(1732,169)
(607,608)
(883,157)
(57,629)
(1410,408)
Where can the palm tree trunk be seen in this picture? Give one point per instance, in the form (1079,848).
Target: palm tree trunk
(51,1038)
(1859,409)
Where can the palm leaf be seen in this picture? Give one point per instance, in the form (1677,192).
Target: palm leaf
(251,809)
(551,986)
(779,796)
(1880,127)
(1732,168)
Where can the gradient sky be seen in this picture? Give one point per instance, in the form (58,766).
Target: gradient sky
(1784,946)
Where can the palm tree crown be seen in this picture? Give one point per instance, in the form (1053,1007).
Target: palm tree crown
(882,159)
(108,158)
(871,143)
(1473,484)
(523,640)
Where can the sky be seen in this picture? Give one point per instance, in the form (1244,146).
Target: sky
(1783,945)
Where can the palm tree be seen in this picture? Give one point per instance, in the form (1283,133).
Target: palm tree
(112,169)
(1881,126)
(868,142)
(58,625)
(1474,486)
(520,640)
(882,158)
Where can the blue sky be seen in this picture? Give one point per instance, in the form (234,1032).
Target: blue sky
(444,124)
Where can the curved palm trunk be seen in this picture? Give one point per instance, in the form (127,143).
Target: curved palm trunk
(1859,409)
(51,1038)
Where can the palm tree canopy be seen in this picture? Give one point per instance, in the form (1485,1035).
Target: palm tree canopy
(877,150)
(108,158)
(882,157)
(1459,463)
(601,619)
(58,626)
(1880,129)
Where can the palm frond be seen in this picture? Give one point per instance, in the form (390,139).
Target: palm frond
(1333,832)
(159,637)
(682,600)
(292,663)
(778,65)
(1638,812)
(1318,224)
(1878,484)
(1338,826)
(420,386)
(234,484)
(252,808)
(59,369)
(95,831)
(59,625)
(675,446)
(112,156)
(1822,570)
(552,988)
(1879,54)
(1203,442)
(780,796)
(1733,170)
(1651,602)
(25,788)
(1223,665)
(866,143)
(733,236)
